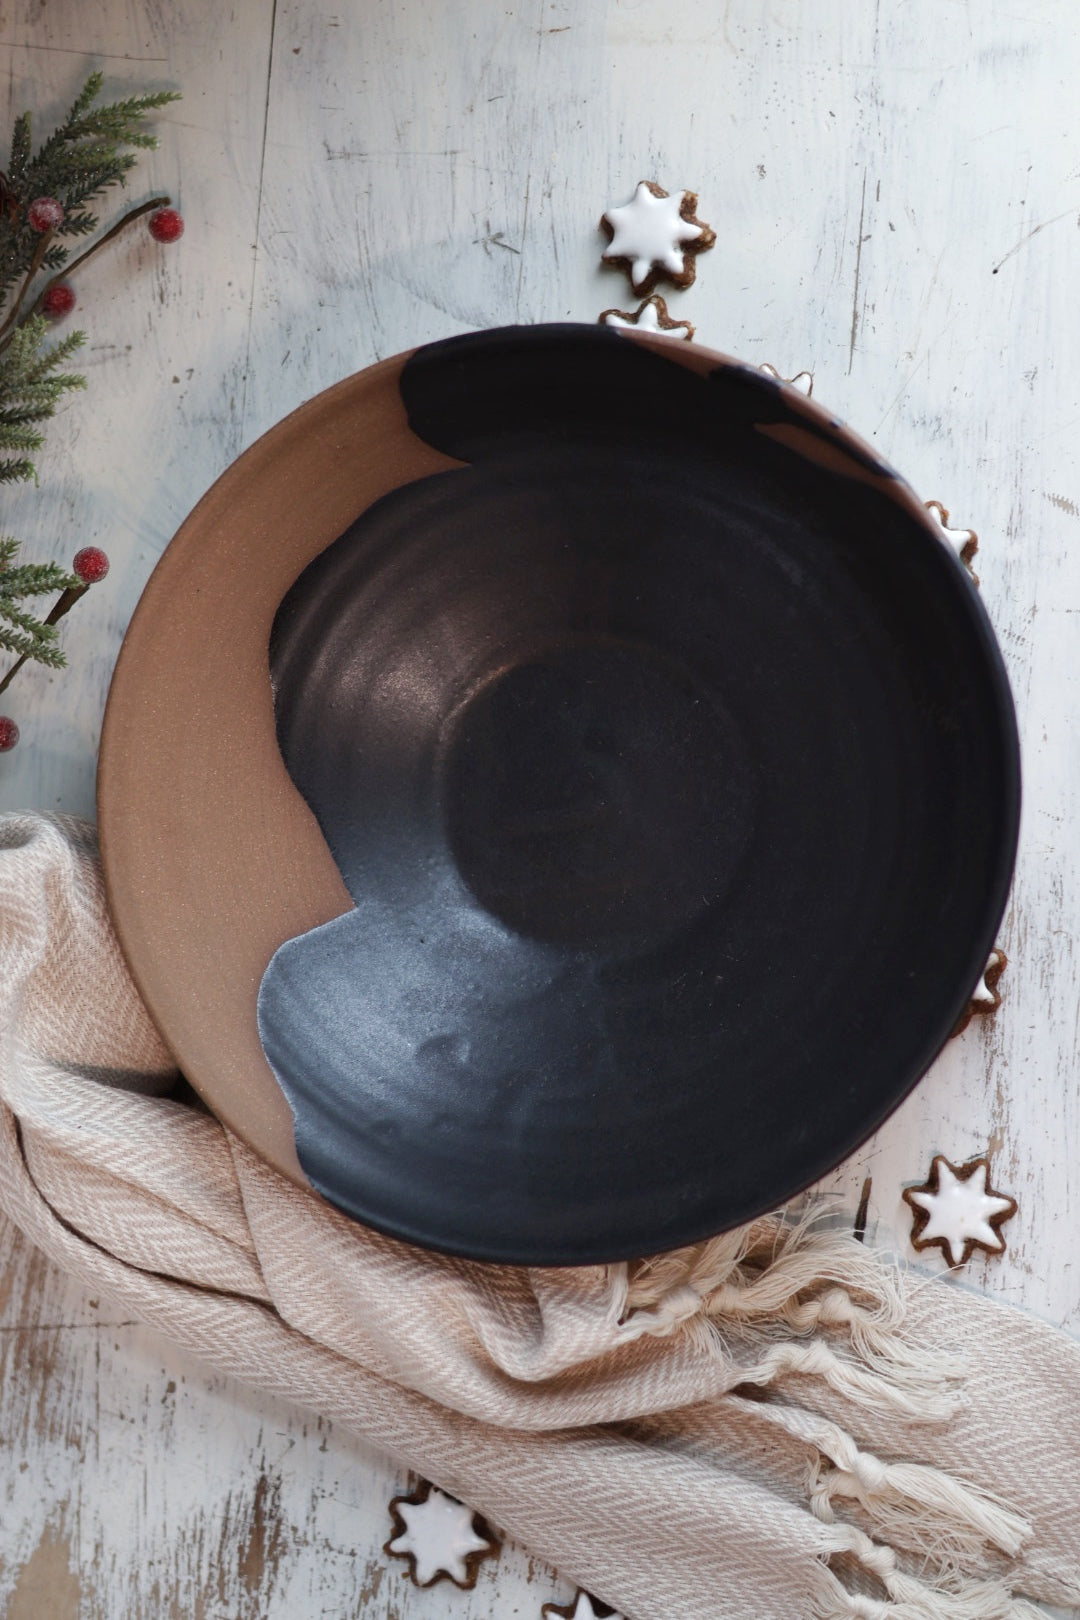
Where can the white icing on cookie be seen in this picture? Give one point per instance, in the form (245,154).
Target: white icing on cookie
(438,1536)
(647,318)
(648,231)
(583,1609)
(965,542)
(802,380)
(960,1211)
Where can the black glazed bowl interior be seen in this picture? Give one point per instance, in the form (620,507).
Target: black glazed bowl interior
(669,760)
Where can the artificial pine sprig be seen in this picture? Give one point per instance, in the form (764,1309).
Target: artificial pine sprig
(20,632)
(31,385)
(43,198)
(80,160)
(155,205)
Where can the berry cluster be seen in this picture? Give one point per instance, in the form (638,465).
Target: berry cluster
(46,214)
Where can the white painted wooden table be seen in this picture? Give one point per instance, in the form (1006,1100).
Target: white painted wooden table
(896,193)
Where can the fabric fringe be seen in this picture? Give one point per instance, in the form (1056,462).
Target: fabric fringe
(771,1292)
(949,1520)
(953,1597)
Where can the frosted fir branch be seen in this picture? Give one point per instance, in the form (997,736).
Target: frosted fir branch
(34,579)
(93,149)
(80,160)
(19,580)
(17,434)
(20,150)
(32,384)
(117,123)
(75,225)
(28,363)
(21,632)
(42,645)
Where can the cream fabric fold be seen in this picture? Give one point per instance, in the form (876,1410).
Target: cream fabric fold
(776,1424)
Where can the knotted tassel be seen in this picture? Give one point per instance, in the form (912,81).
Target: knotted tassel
(764,1300)
(953,1597)
(947,1519)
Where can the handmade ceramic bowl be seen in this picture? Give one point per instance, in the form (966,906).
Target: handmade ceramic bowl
(558,794)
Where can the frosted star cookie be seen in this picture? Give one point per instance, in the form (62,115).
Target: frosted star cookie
(655,237)
(583,1608)
(957,1211)
(651,316)
(965,542)
(986,996)
(439,1537)
(802,380)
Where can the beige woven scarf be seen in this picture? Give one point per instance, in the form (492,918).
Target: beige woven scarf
(774,1425)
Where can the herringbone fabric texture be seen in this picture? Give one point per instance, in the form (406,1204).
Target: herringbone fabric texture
(772,1425)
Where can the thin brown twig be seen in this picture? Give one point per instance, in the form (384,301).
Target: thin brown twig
(122,224)
(35,265)
(7,330)
(63,604)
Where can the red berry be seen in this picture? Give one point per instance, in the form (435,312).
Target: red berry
(91,564)
(166,225)
(44,214)
(58,301)
(9,733)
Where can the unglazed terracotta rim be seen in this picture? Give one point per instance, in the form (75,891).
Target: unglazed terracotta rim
(211,857)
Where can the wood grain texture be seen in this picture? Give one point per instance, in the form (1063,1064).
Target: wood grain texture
(896,194)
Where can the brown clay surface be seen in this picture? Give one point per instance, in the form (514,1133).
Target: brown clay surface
(211,857)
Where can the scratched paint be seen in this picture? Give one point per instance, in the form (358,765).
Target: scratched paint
(134,1483)
(895,194)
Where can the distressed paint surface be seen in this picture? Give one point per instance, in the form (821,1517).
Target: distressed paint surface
(896,194)
(134,1483)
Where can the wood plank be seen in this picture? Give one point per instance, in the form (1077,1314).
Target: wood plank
(895,193)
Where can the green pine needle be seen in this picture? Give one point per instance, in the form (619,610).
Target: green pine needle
(16,435)
(95,148)
(81,159)
(42,645)
(21,632)
(32,384)
(20,150)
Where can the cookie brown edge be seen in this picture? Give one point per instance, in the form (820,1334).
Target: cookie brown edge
(473,1560)
(932,1184)
(660,276)
(969,548)
(566,1611)
(663,316)
(983,1009)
